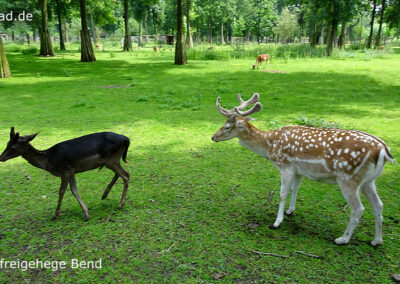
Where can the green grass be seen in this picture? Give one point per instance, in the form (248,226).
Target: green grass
(211,201)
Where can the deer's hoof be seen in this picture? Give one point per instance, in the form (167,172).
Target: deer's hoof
(272,227)
(120,206)
(54,217)
(86,218)
(376,243)
(340,241)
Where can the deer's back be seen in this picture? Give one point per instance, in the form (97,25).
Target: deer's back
(86,152)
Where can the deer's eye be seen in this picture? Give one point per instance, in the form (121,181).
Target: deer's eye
(227,127)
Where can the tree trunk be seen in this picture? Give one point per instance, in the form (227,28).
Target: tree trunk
(94,35)
(27,38)
(127,38)
(180,50)
(332,36)
(140,34)
(4,67)
(60,31)
(33,34)
(46,48)
(313,41)
(211,34)
(87,54)
(189,38)
(378,36)
(369,43)
(222,33)
(12,36)
(361,26)
(342,37)
(66,32)
(321,36)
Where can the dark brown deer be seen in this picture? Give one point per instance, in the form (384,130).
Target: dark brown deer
(74,156)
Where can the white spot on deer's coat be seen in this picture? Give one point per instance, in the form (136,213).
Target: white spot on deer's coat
(353,154)
(346,150)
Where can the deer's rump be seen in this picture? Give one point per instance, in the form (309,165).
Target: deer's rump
(88,152)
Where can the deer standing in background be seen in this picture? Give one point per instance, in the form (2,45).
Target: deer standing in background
(260,59)
(74,156)
(350,158)
(155,49)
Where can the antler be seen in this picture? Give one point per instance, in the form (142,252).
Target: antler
(243,104)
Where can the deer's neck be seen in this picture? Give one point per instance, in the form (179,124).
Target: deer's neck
(256,140)
(35,157)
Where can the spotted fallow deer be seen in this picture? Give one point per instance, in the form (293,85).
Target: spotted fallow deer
(350,158)
(74,156)
(260,59)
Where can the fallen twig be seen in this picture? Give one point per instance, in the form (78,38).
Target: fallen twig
(308,254)
(234,188)
(166,249)
(269,253)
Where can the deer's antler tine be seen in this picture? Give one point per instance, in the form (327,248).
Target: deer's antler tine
(256,108)
(222,110)
(252,100)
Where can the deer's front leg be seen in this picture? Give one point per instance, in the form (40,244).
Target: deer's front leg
(63,187)
(72,184)
(287,177)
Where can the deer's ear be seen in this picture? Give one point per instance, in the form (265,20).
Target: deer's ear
(29,138)
(12,133)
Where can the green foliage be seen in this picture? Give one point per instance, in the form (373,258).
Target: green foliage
(316,122)
(30,50)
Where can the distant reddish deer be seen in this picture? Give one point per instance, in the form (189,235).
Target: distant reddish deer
(156,49)
(261,58)
(99,46)
(74,156)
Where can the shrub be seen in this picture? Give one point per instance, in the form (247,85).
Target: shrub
(30,50)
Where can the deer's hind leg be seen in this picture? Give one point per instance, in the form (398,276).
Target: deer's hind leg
(110,185)
(351,192)
(370,192)
(120,171)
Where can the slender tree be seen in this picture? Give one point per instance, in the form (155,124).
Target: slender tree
(4,67)
(60,26)
(180,50)
(371,29)
(93,27)
(127,37)
(46,48)
(378,36)
(189,38)
(87,54)
(342,36)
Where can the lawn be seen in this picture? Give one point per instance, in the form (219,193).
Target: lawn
(196,210)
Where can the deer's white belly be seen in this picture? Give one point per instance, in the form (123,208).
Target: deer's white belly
(315,169)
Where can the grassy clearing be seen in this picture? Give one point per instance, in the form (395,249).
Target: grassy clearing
(211,201)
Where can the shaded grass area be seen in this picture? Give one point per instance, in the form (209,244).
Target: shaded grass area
(210,202)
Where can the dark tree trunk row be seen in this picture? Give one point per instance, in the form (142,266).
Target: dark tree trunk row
(127,38)
(342,37)
(369,42)
(60,30)
(87,54)
(46,48)
(378,36)
(180,50)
